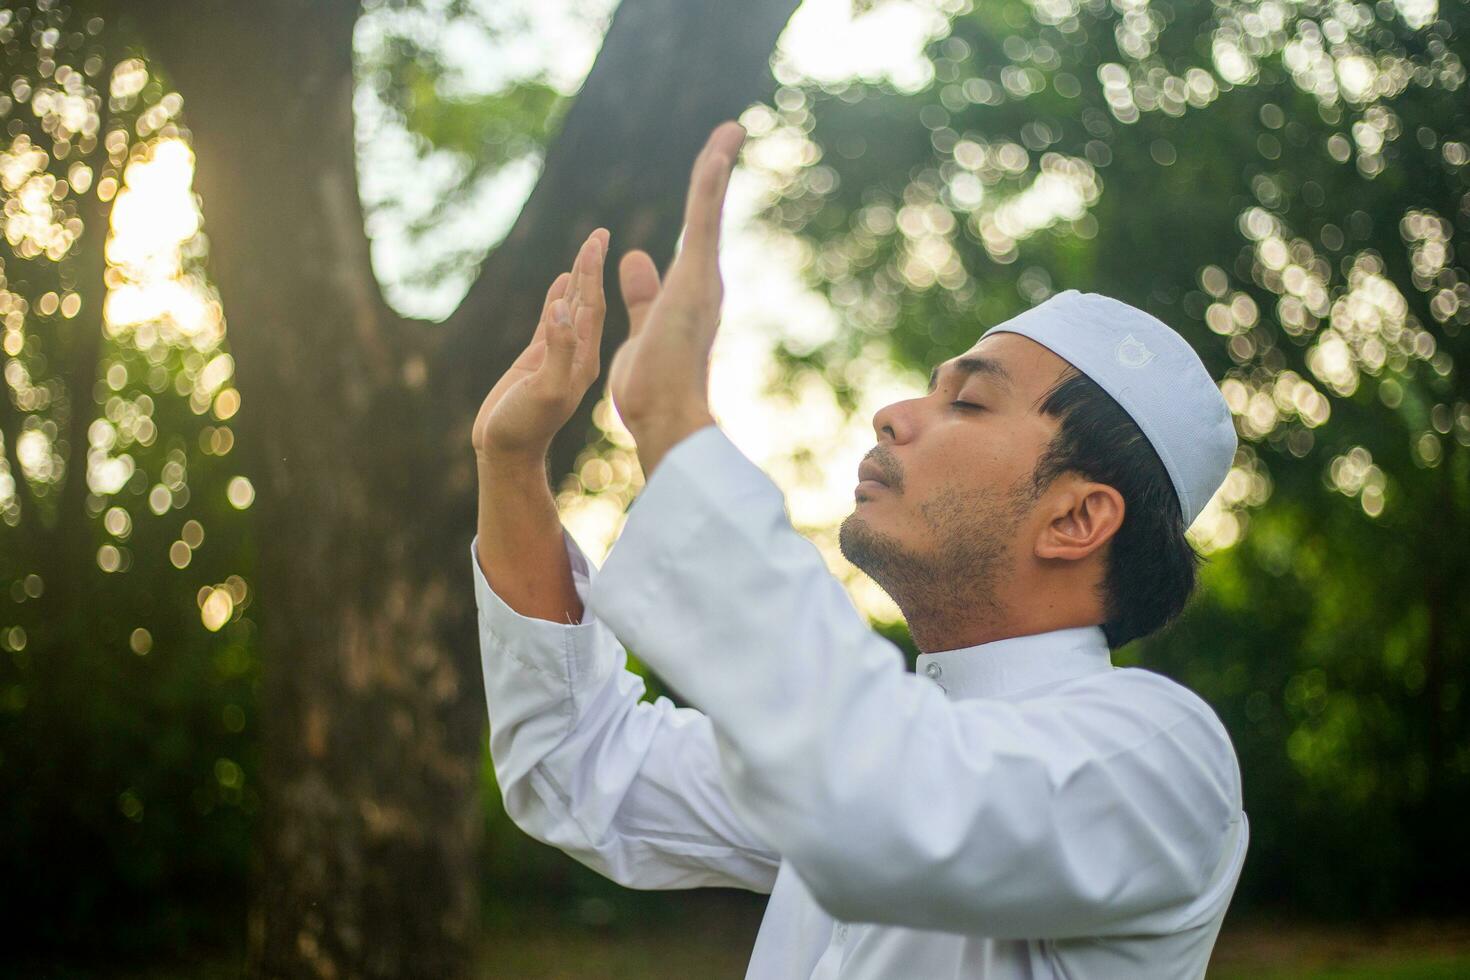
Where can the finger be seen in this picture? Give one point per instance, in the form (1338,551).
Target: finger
(586,251)
(706,201)
(588,318)
(561,347)
(638,277)
(557,290)
(589,333)
(585,363)
(574,290)
(589,274)
(604,237)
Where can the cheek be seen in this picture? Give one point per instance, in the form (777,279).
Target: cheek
(978,456)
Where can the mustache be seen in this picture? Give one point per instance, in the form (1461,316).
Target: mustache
(892,475)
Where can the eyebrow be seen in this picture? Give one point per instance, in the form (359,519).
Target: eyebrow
(974,364)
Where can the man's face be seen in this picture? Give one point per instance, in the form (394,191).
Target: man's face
(952,513)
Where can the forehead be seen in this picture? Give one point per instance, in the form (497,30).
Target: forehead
(1030,369)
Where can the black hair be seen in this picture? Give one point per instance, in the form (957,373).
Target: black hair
(1151,566)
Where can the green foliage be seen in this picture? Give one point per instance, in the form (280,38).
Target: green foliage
(127,726)
(1427,968)
(492,129)
(404,69)
(1288,186)
(1271,221)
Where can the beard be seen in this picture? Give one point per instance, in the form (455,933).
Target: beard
(955,580)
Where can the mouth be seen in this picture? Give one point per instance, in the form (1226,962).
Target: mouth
(871,472)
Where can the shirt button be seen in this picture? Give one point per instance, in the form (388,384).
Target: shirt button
(934,671)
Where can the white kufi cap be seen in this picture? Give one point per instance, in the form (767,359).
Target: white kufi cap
(1150,371)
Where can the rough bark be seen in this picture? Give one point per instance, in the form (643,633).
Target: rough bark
(370,727)
(669,71)
(355,425)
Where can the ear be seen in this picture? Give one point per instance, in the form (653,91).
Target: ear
(1084,517)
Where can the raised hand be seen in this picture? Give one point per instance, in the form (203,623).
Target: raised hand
(542,388)
(659,377)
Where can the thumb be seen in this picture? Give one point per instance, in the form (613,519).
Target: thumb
(638,277)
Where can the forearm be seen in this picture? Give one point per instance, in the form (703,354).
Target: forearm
(520,547)
(582,761)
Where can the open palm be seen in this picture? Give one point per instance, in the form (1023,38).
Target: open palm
(663,366)
(545,384)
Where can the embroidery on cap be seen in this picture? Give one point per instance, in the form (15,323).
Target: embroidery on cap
(1132,353)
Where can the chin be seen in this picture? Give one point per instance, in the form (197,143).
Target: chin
(855,539)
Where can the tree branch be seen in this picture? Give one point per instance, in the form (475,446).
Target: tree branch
(246,86)
(645,109)
(667,73)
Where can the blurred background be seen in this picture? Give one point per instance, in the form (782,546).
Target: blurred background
(261,263)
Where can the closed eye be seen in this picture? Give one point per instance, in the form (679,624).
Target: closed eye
(968,405)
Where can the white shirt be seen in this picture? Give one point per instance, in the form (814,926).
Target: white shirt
(1016,809)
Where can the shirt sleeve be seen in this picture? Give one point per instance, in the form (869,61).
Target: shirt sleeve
(629,788)
(1104,809)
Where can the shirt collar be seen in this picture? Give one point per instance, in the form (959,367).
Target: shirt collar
(1017,663)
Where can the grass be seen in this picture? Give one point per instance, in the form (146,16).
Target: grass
(713,940)
(1414,968)
(712,935)
(1265,950)
(573,957)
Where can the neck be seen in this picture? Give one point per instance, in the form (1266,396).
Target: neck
(958,621)
(936,636)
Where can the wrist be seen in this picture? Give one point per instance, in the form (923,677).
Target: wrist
(510,467)
(655,438)
(515,500)
(669,422)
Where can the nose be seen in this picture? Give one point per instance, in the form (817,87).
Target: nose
(894,421)
(894,425)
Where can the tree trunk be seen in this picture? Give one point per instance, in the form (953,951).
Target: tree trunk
(370,724)
(355,425)
(669,71)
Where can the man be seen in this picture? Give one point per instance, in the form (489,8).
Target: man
(1015,808)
